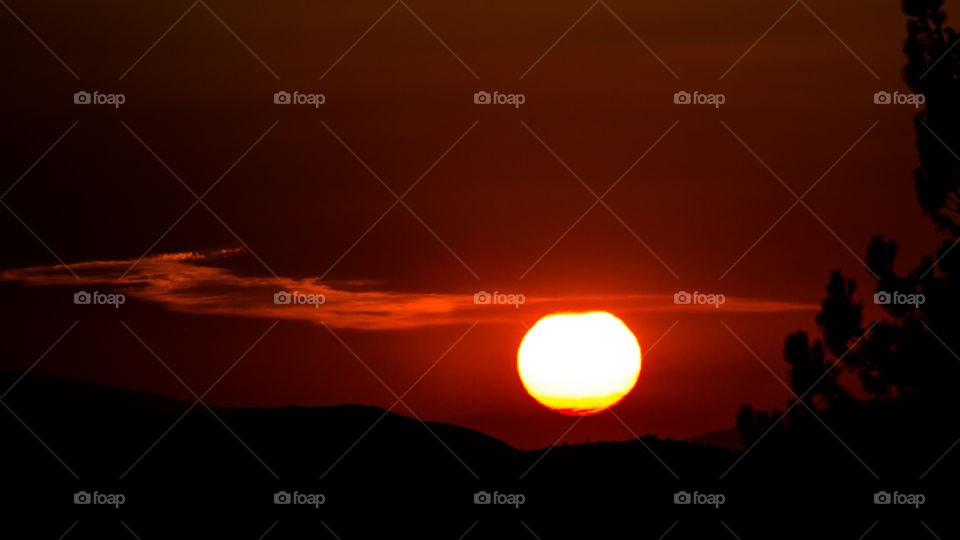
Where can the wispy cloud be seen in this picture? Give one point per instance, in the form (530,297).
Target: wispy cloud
(202,283)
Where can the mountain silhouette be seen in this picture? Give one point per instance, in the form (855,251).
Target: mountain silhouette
(724,438)
(375,469)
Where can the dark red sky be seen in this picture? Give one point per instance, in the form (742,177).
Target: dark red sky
(482,216)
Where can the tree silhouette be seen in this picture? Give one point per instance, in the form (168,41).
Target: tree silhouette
(932,69)
(906,362)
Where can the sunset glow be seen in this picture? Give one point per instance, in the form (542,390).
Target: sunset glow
(579,363)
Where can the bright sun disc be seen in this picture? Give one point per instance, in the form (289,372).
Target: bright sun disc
(579,363)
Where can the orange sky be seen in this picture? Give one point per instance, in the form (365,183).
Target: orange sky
(498,201)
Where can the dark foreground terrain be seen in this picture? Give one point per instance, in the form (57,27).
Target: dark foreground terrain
(154,467)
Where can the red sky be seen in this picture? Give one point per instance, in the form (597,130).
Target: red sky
(498,201)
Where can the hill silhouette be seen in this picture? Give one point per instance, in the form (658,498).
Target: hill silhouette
(379,472)
(724,438)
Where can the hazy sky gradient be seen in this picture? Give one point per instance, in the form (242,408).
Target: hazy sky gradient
(292,189)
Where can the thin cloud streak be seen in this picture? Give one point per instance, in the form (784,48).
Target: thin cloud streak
(202,283)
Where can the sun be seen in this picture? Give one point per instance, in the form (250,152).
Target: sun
(579,363)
